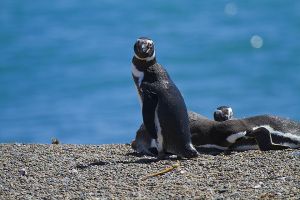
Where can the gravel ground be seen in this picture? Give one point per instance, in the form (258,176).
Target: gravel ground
(34,171)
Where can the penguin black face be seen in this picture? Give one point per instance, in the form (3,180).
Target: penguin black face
(144,49)
(223,113)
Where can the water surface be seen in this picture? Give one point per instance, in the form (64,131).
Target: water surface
(65,65)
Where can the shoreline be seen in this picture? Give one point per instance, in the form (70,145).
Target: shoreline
(114,171)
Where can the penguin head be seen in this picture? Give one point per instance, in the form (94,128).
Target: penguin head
(261,133)
(144,49)
(223,113)
(263,138)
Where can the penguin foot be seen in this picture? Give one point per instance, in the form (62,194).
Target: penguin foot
(189,152)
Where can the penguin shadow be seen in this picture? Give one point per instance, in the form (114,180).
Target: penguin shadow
(83,166)
(146,159)
(149,158)
(212,152)
(142,160)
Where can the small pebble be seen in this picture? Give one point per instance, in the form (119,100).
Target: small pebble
(74,171)
(23,172)
(282,178)
(258,185)
(222,190)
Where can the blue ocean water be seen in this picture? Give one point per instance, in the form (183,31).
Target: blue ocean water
(65,65)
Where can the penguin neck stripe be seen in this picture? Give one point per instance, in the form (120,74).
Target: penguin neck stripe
(146,59)
(142,65)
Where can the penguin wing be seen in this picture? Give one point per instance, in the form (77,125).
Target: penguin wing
(149,105)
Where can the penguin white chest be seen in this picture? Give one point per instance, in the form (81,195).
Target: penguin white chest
(158,132)
(140,76)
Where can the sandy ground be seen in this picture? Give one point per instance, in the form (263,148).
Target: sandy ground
(34,171)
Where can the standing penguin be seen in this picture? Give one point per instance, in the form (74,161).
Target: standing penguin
(163,108)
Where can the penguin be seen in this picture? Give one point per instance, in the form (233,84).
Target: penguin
(235,134)
(223,113)
(164,111)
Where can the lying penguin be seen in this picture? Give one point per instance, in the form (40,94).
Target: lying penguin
(259,132)
(262,132)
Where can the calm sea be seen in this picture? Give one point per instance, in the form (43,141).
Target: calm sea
(65,65)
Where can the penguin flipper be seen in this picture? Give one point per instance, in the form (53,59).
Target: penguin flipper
(264,139)
(148,110)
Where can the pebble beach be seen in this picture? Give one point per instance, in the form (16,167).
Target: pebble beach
(115,171)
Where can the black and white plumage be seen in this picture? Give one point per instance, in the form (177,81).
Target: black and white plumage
(163,108)
(262,132)
(235,133)
(268,138)
(223,113)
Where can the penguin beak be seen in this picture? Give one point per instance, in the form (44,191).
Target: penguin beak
(145,48)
